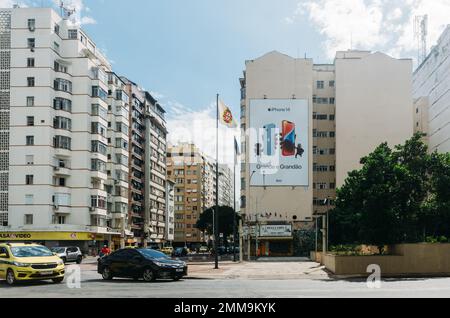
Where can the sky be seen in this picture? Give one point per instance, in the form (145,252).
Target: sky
(186,52)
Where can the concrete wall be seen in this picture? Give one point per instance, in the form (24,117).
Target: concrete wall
(278,76)
(404,259)
(373,105)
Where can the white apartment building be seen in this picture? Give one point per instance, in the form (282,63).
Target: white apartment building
(226,187)
(432,95)
(63,177)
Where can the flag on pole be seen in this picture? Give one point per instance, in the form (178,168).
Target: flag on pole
(226,116)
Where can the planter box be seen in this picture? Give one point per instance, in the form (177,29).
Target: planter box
(404,260)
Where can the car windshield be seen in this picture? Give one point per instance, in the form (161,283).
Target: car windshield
(31,251)
(153,254)
(58,250)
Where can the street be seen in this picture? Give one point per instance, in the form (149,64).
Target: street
(268,280)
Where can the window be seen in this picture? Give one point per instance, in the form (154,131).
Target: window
(59,219)
(30,62)
(98,110)
(30,121)
(332,151)
(332,100)
(332,134)
(56,28)
(56,46)
(98,165)
(28,219)
(62,123)
(59,67)
(31,24)
(30,140)
(320,84)
(332,117)
(62,104)
(31,43)
(73,34)
(62,142)
(29,159)
(332,83)
(29,179)
(99,147)
(332,168)
(30,81)
(62,85)
(98,202)
(98,129)
(30,101)
(332,186)
(99,92)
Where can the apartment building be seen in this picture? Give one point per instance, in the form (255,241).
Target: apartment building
(316,121)
(147,179)
(226,187)
(55,148)
(431,91)
(194,176)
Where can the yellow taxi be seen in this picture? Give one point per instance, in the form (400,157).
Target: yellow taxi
(168,250)
(27,262)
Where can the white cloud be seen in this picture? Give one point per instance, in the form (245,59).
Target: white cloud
(78,18)
(199,127)
(385,25)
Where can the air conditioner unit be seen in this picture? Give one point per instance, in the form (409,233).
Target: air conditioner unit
(32,49)
(32,28)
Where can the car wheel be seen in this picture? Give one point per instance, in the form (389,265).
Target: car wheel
(79,260)
(149,275)
(10,277)
(58,280)
(107,274)
(64,260)
(176,278)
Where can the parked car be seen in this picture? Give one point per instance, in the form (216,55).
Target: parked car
(147,264)
(69,254)
(167,250)
(29,262)
(180,252)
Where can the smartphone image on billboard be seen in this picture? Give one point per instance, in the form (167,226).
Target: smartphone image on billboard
(269,137)
(288,138)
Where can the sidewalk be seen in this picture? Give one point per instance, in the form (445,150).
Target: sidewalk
(259,271)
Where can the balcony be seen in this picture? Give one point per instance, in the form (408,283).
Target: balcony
(60,171)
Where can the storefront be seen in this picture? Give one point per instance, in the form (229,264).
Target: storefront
(270,240)
(89,243)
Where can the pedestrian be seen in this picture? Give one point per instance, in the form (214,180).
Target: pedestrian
(105,251)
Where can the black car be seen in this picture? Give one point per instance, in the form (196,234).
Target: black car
(180,252)
(141,263)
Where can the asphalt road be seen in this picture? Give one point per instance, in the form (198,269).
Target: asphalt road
(93,286)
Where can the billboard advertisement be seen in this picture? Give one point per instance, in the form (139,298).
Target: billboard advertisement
(279,142)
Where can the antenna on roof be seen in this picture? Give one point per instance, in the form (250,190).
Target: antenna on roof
(66,12)
(421,34)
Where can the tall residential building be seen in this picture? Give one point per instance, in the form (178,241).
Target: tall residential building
(147,161)
(226,187)
(316,121)
(432,96)
(55,151)
(195,191)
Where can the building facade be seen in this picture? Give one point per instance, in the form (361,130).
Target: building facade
(355,104)
(432,96)
(194,176)
(147,161)
(83,150)
(55,132)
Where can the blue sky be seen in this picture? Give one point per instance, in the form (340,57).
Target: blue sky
(190,50)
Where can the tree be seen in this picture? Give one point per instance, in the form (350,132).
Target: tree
(398,196)
(226,222)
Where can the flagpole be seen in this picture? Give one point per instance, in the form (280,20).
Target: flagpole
(234,200)
(216,214)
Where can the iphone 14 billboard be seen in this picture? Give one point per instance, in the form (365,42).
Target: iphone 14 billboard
(279,137)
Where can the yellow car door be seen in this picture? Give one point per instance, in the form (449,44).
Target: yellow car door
(3,262)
